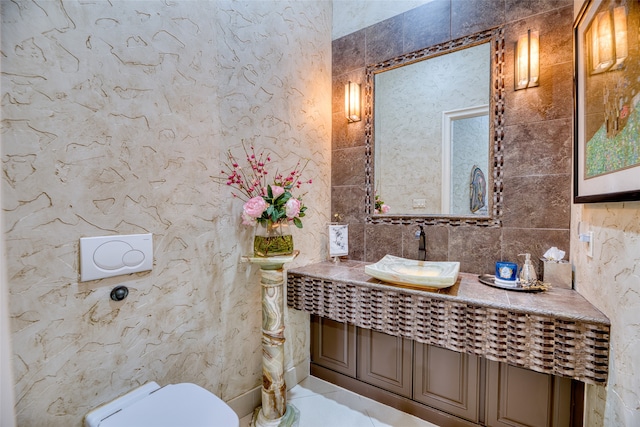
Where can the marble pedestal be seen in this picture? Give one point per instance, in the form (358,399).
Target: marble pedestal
(274,411)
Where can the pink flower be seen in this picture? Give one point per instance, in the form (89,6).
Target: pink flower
(292,208)
(277,191)
(385,209)
(247,220)
(254,207)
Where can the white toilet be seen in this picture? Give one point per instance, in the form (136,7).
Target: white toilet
(174,405)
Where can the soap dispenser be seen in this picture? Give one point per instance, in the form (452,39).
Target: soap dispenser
(527,272)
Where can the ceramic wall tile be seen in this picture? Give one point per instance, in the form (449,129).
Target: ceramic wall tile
(537,142)
(427,25)
(117,118)
(546,147)
(382,240)
(477,250)
(384,40)
(537,201)
(547,101)
(348,53)
(348,202)
(436,239)
(356,241)
(468,17)
(516,241)
(347,166)
(345,134)
(518,9)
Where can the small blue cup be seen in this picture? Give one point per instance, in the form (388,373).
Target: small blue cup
(506,271)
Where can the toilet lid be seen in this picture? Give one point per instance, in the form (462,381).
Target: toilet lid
(175,405)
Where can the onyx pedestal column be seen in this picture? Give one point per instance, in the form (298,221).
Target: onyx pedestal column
(274,411)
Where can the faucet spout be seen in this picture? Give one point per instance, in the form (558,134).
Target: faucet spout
(422,245)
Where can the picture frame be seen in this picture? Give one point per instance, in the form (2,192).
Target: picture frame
(338,240)
(606,155)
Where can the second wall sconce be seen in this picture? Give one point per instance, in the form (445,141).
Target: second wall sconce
(527,61)
(352,102)
(607,40)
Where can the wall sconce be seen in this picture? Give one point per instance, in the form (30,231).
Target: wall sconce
(607,40)
(352,102)
(527,58)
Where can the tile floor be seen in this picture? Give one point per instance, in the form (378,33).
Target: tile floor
(322,404)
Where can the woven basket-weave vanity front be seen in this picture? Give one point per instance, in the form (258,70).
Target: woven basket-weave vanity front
(552,340)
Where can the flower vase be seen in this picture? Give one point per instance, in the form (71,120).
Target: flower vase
(272,239)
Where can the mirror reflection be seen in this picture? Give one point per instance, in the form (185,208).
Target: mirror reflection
(465,161)
(432,138)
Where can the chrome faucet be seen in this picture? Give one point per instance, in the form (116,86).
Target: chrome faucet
(422,245)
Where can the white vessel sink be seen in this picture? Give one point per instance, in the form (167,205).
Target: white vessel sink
(401,271)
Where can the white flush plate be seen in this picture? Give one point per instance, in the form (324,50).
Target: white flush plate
(108,256)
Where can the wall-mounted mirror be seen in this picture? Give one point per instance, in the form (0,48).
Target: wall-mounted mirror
(434,132)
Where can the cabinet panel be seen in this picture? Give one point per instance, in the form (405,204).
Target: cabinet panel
(441,385)
(385,361)
(518,397)
(447,380)
(333,345)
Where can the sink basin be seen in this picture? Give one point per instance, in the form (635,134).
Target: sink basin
(402,271)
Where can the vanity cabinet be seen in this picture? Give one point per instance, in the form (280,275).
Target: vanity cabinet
(447,380)
(333,345)
(380,359)
(385,361)
(520,397)
(439,385)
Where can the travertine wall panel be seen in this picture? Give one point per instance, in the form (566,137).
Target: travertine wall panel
(115,116)
(611,281)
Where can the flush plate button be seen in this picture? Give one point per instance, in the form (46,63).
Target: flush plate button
(107,256)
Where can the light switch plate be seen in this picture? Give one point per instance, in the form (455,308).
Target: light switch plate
(107,256)
(419,203)
(590,244)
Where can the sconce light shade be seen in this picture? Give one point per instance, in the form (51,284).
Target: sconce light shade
(620,34)
(601,43)
(527,61)
(352,102)
(607,40)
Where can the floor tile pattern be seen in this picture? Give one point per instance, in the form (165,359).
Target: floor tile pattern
(322,404)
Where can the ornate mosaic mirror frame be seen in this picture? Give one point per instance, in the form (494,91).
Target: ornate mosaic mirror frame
(496,119)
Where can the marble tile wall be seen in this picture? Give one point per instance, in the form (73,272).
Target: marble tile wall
(115,116)
(537,149)
(610,280)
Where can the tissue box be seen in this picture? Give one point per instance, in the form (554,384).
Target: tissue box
(557,274)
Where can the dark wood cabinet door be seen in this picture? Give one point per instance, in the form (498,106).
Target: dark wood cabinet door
(385,361)
(518,397)
(333,345)
(447,380)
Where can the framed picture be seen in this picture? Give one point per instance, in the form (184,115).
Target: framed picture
(338,240)
(606,163)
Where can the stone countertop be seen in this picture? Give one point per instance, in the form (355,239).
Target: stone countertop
(559,303)
(556,332)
